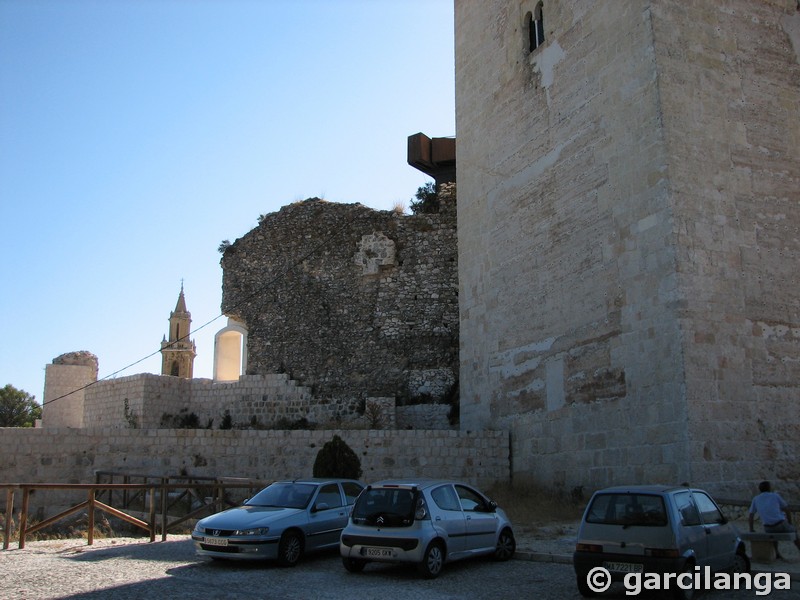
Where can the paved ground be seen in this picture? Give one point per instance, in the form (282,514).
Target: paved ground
(131,569)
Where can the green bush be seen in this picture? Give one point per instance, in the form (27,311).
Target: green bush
(337,459)
(427,199)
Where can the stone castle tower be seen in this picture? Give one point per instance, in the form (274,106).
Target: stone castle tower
(629,236)
(178,352)
(65,382)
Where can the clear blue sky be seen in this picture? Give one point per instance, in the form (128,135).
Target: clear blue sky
(136,135)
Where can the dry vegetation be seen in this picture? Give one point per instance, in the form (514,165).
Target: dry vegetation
(539,511)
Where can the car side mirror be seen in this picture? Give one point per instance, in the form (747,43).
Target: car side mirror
(320,506)
(492,506)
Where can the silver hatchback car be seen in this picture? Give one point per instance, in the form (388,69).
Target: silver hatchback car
(655,529)
(424,522)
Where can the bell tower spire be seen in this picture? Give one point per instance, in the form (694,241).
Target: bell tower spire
(178,351)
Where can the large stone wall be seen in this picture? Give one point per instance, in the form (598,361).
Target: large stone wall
(350,302)
(627,239)
(729,81)
(74,455)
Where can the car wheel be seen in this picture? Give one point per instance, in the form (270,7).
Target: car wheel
(678,593)
(584,588)
(432,560)
(353,565)
(506,545)
(290,549)
(741,564)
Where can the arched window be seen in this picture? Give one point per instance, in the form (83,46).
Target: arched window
(534,23)
(176,369)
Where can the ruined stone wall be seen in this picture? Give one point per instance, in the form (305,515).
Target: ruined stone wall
(350,302)
(626,238)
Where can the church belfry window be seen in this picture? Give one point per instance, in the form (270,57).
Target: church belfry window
(534,23)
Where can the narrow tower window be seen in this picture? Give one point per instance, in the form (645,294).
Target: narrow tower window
(535,25)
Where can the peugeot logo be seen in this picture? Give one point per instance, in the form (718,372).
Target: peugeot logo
(216,531)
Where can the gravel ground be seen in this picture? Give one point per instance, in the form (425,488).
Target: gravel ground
(122,568)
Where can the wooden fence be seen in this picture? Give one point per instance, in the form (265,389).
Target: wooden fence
(156,504)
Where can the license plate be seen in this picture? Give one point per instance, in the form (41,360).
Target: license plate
(378,552)
(212,541)
(623,567)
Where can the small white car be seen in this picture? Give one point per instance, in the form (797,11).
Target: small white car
(426,523)
(655,529)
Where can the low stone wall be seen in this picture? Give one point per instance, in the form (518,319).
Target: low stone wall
(74,455)
(143,401)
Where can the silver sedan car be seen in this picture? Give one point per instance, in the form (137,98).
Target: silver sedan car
(281,522)
(424,522)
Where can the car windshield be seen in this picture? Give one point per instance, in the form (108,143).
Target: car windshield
(389,507)
(627,509)
(284,495)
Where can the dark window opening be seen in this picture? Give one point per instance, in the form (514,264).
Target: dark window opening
(535,26)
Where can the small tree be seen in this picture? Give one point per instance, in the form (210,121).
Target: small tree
(337,459)
(18,408)
(427,199)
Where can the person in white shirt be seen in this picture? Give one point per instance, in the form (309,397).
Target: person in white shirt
(772,510)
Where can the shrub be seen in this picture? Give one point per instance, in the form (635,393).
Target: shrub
(337,459)
(427,199)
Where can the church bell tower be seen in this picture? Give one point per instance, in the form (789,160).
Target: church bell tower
(178,352)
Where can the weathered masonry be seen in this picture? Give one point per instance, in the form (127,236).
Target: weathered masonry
(350,302)
(629,235)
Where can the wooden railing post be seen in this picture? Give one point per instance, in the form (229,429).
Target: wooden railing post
(152,514)
(9,517)
(90,533)
(164,499)
(23,517)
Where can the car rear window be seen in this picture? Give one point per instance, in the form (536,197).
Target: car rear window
(627,510)
(388,507)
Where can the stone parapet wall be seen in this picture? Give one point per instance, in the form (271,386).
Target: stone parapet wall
(74,455)
(255,401)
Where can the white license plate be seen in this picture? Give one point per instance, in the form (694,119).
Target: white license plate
(378,553)
(212,541)
(623,567)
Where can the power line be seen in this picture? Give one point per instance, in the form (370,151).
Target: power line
(258,291)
